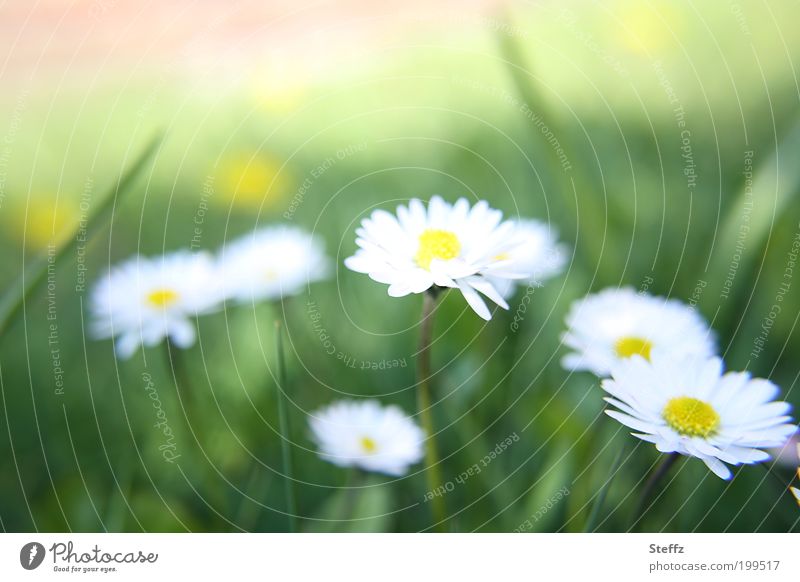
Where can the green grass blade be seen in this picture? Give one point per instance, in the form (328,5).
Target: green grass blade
(283,421)
(746,229)
(571,184)
(14,300)
(600,500)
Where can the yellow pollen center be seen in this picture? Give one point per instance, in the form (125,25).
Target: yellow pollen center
(162,297)
(436,244)
(628,346)
(691,417)
(369,445)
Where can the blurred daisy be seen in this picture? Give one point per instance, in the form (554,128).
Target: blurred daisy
(366,435)
(789,454)
(616,324)
(271,263)
(444,245)
(535,251)
(687,406)
(144,300)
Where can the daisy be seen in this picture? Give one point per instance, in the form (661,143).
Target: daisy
(536,251)
(366,435)
(271,263)
(615,324)
(144,300)
(687,406)
(445,245)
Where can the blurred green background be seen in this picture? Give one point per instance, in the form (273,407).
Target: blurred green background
(660,111)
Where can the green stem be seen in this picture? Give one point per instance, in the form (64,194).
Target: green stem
(650,487)
(432,471)
(601,497)
(355,480)
(283,421)
(181,378)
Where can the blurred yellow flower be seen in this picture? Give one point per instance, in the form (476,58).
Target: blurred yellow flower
(48,220)
(650,29)
(253,181)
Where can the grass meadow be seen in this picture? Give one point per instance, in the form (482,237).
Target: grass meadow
(660,140)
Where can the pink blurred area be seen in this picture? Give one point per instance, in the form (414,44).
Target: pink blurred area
(84,39)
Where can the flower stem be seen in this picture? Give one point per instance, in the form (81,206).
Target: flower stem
(432,471)
(645,503)
(182,380)
(355,481)
(601,497)
(283,422)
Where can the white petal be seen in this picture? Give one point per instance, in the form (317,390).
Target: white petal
(182,333)
(641,414)
(438,212)
(359,263)
(747,455)
(718,467)
(419,218)
(665,446)
(443,281)
(475,301)
(630,421)
(127,344)
(487,289)
(399,290)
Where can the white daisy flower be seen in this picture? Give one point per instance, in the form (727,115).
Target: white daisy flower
(536,251)
(615,324)
(687,406)
(144,300)
(445,245)
(366,435)
(271,263)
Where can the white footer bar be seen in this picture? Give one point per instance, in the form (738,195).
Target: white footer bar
(426,557)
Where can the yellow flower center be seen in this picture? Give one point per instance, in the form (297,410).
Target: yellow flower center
(436,244)
(628,346)
(691,417)
(162,297)
(369,445)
